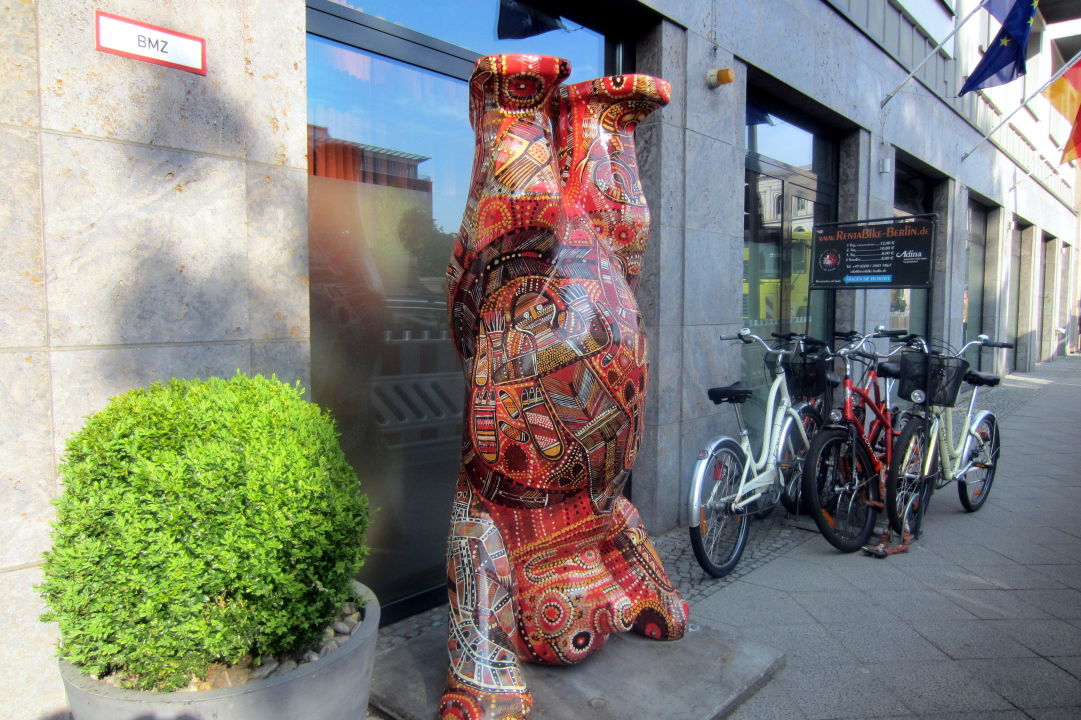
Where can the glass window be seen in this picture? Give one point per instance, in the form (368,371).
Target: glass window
(913,194)
(446,21)
(390,156)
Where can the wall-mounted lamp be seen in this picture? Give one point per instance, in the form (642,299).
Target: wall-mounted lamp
(720,76)
(885,165)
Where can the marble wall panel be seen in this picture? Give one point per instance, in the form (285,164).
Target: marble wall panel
(660,287)
(656,485)
(660,151)
(712,278)
(663,396)
(277,249)
(142,245)
(696,15)
(96,93)
(707,362)
(747,25)
(275,83)
(714,185)
(22,288)
(663,53)
(289,360)
(26,457)
(84,380)
(715,112)
(19,63)
(32,686)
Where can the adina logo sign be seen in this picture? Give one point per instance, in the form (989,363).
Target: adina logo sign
(885,253)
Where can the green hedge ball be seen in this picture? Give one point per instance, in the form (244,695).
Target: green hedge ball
(201,520)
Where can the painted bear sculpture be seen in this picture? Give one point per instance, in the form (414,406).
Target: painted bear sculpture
(546,558)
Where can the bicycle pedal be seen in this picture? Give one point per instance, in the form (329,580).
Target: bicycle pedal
(875,551)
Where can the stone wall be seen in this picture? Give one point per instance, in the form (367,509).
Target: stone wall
(154,224)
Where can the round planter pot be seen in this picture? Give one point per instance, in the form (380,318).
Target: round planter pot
(332,688)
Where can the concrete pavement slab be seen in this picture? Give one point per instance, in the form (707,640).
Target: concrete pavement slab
(835,690)
(1064,604)
(994,604)
(1071,664)
(939,687)
(1067,574)
(892,644)
(971,639)
(714,672)
(1067,713)
(1044,637)
(1027,682)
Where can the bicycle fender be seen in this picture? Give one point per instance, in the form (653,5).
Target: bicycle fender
(976,420)
(699,477)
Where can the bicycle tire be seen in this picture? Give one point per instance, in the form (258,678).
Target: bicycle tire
(838,491)
(974,494)
(908,489)
(793,475)
(720,537)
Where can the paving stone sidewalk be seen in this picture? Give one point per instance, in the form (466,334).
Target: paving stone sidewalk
(980,619)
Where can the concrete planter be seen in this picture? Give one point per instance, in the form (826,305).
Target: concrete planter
(333,688)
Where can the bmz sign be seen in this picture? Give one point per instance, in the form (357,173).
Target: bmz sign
(149,43)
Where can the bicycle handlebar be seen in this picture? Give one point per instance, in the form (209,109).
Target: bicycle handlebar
(1006,345)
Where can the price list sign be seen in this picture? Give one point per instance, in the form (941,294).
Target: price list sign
(885,253)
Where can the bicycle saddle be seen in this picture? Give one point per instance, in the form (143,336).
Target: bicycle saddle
(972,377)
(734,393)
(889,369)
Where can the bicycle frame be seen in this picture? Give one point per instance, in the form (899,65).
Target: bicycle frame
(762,472)
(882,420)
(941,440)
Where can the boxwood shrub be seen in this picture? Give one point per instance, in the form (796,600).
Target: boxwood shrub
(200,521)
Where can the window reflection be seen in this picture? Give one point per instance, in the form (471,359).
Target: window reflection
(389,157)
(582,46)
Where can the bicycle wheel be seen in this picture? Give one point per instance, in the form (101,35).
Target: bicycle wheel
(721,535)
(838,483)
(976,486)
(908,489)
(791,460)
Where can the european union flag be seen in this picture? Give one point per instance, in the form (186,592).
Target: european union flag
(1005,59)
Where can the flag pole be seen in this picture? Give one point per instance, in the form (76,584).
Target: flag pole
(931,54)
(1061,71)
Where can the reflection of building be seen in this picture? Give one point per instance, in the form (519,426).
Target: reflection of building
(159,222)
(345,160)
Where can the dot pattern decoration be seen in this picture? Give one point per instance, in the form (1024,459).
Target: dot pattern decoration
(546,558)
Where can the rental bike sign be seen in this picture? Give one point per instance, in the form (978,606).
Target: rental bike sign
(883,253)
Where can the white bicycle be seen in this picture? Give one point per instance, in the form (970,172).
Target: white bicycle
(730,483)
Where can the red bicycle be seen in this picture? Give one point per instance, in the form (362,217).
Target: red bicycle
(844,473)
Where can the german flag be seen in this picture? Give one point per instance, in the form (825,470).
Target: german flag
(1065,96)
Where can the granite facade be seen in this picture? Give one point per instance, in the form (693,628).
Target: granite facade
(155,226)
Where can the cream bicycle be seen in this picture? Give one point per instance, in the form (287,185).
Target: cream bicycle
(729,482)
(928,455)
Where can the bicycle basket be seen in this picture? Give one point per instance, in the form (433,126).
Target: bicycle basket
(805,374)
(938,376)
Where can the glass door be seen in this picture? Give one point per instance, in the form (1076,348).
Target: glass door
(779,214)
(390,155)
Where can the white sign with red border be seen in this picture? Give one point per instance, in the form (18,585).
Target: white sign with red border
(150,43)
